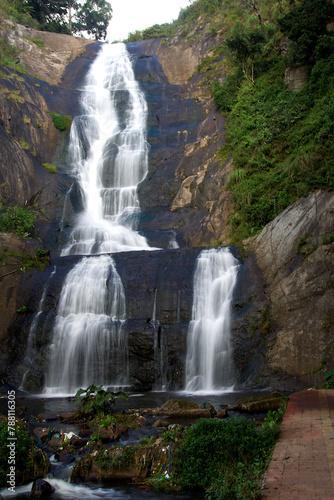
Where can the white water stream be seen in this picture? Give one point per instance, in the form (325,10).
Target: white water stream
(108,152)
(209,362)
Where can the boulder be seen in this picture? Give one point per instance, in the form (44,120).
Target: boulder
(41,489)
(260,404)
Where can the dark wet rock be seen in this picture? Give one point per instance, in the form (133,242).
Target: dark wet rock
(222,414)
(112,433)
(47,417)
(41,489)
(69,416)
(160,423)
(85,433)
(64,457)
(180,408)
(41,434)
(21,411)
(55,443)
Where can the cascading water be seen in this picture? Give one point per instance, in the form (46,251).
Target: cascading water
(209,363)
(110,156)
(108,151)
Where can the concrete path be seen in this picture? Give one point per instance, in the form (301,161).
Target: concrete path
(302,465)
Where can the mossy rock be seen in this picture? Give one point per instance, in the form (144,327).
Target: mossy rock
(259,404)
(180,404)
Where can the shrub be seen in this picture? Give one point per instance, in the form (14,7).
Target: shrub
(211,445)
(30,462)
(61,122)
(227,457)
(96,400)
(16,219)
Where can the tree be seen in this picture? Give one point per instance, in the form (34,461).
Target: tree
(304,24)
(43,10)
(93,17)
(246,45)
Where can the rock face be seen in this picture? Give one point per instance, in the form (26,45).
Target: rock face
(295,254)
(282,306)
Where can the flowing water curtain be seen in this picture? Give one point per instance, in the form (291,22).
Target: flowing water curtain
(209,362)
(109,151)
(109,156)
(89,344)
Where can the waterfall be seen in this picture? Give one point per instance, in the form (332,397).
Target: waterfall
(209,362)
(109,156)
(89,346)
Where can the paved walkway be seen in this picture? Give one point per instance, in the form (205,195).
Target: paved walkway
(302,465)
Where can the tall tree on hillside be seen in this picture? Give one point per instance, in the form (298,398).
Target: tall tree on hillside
(304,24)
(93,16)
(43,10)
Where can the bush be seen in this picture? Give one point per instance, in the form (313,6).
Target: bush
(16,219)
(30,462)
(228,458)
(211,446)
(61,122)
(96,400)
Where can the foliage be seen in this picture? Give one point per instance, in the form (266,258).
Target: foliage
(97,400)
(246,44)
(227,457)
(26,456)
(50,168)
(61,122)
(280,141)
(16,219)
(328,382)
(17,11)
(328,239)
(26,261)
(37,41)
(93,16)
(173,435)
(119,458)
(22,310)
(304,24)
(9,56)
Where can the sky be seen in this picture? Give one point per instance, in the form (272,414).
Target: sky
(133,15)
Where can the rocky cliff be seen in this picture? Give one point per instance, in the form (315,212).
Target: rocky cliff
(282,316)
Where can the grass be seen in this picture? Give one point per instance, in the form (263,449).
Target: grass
(50,168)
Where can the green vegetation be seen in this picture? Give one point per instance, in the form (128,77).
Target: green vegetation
(22,310)
(96,400)
(18,12)
(50,168)
(9,55)
(280,139)
(37,41)
(328,382)
(30,462)
(61,122)
(25,262)
(227,458)
(60,16)
(16,219)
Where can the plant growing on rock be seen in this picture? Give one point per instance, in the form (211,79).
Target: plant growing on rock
(96,400)
(30,462)
(16,219)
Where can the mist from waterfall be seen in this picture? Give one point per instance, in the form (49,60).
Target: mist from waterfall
(109,157)
(209,361)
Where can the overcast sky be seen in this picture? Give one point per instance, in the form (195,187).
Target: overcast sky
(133,15)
